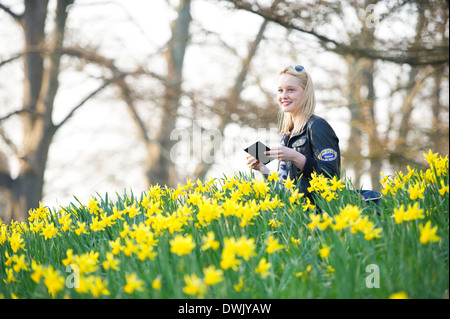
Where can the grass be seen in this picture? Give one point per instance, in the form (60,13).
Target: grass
(130,247)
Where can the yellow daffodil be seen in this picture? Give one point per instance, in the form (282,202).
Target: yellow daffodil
(428,234)
(132,210)
(295,196)
(245,247)
(16,241)
(308,205)
(181,245)
(115,245)
(212,275)
(38,271)
(272,245)
(275,223)
(81,228)
(274,176)
(49,231)
(399,214)
(157,283)
(209,242)
(19,263)
(303,274)
(65,220)
(130,247)
(95,225)
(336,184)
(289,183)
(324,252)
(295,242)
(9,276)
(414,212)
(194,285)
(86,262)
(98,286)
(443,189)
(110,262)
(372,232)
(431,157)
(315,220)
(263,268)
(133,283)
(93,206)
(54,281)
(239,285)
(229,260)
(208,210)
(326,221)
(399,295)
(416,191)
(260,187)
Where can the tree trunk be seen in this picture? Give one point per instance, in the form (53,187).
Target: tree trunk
(352,157)
(41,68)
(5,191)
(362,109)
(161,168)
(439,131)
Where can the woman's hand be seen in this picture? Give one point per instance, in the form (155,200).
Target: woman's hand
(282,153)
(255,164)
(286,154)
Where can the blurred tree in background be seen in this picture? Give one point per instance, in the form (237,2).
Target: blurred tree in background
(41,66)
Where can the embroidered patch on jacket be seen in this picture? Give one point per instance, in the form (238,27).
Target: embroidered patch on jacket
(327,155)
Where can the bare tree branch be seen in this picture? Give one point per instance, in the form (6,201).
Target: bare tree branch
(8,141)
(17,17)
(411,55)
(87,98)
(11,59)
(126,95)
(33,113)
(233,98)
(93,57)
(50,82)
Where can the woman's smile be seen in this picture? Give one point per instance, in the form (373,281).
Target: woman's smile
(290,93)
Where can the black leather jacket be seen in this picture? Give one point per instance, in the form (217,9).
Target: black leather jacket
(319,143)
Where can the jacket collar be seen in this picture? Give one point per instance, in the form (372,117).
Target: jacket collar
(311,120)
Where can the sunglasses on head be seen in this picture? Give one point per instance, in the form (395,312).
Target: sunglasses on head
(297,68)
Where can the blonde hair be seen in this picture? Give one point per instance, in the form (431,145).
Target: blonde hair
(287,124)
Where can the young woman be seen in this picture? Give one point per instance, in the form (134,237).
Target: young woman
(309,143)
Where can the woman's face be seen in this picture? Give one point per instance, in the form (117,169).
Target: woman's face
(290,93)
